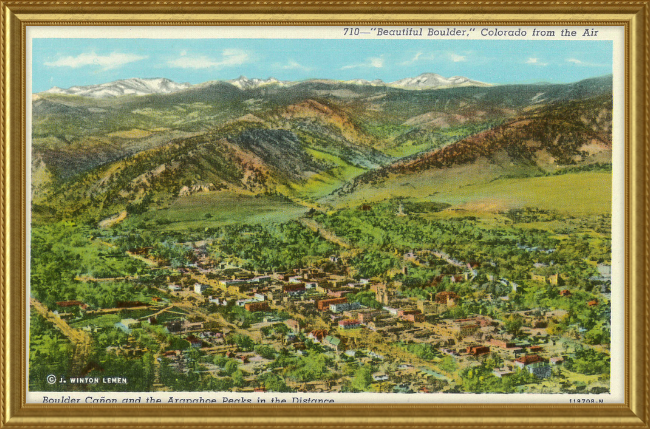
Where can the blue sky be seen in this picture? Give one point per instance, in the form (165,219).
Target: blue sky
(69,62)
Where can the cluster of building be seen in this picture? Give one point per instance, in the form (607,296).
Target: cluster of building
(324,309)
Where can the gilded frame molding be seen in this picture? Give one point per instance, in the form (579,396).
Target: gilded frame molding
(16,15)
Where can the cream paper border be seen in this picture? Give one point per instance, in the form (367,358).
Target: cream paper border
(614,33)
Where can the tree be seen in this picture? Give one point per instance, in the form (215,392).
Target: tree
(238,378)
(448,364)
(513,324)
(589,361)
(266,352)
(274,383)
(244,342)
(362,378)
(231,367)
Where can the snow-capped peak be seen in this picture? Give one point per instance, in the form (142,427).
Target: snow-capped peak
(376,82)
(242,82)
(433,80)
(141,86)
(134,86)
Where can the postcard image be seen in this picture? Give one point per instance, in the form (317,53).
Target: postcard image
(325,214)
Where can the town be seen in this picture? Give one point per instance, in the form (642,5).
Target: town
(207,318)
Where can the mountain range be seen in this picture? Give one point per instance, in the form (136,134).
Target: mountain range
(317,142)
(138,86)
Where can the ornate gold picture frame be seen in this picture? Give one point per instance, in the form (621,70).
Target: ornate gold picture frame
(574,410)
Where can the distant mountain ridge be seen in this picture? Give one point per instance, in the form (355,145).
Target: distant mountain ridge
(146,86)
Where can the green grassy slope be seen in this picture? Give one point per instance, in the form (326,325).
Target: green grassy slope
(212,209)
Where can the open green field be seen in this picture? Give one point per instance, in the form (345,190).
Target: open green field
(324,183)
(212,209)
(408,149)
(103,321)
(577,194)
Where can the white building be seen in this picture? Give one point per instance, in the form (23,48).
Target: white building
(199,288)
(391,310)
(379,376)
(539,369)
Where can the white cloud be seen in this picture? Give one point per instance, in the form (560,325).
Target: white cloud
(373,62)
(584,63)
(535,61)
(106,62)
(229,58)
(420,56)
(293,65)
(458,58)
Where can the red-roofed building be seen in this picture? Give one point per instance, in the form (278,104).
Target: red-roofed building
(256,306)
(317,335)
(294,289)
(525,360)
(565,292)
(324,304)
(446,297)
(478,350)
(593,303)
(349,324)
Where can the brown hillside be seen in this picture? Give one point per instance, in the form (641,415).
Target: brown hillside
(549,138)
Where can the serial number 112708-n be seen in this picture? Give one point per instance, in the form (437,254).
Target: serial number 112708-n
(586,401)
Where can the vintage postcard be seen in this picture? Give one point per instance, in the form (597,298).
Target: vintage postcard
(325,214)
